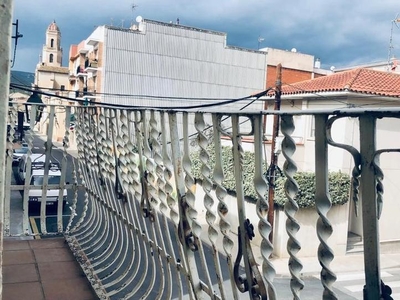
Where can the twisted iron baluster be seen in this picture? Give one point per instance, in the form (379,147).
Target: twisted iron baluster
(160,182)
(150,164)
(291,207)
(63,170)
(134,158)
(261,186)
(190,187)
(85,146)
(144,153)
(172,205)
(188,258)
(208,199)
(223,209)
(79,134)
(76,174)
(379,184)
(127,156)
(356,172)
(379,178)
(157,174)
(323,205)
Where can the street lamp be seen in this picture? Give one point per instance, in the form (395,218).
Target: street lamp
(34,99)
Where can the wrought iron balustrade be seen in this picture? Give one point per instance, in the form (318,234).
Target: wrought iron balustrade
(137,224)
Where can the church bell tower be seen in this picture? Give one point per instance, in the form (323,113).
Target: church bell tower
(52,51)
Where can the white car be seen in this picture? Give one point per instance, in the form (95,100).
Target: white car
(37,178)
(35,158)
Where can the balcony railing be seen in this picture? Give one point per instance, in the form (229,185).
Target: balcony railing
(81,72)
(141,227)
(91,66)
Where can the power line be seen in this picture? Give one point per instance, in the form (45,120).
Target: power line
(226,102)
(155,97)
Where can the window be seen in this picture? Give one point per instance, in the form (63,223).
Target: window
(62,87)
(51,58)
(52,43)
(312,127)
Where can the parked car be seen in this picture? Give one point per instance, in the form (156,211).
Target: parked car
(52,195)
(37,178)
(22,164)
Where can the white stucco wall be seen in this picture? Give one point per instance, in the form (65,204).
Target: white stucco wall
(306,217)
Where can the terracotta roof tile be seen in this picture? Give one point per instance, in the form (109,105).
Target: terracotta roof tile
(63,70)
(364,81)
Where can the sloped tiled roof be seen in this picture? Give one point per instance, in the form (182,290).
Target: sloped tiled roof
(364,81)
(63,70)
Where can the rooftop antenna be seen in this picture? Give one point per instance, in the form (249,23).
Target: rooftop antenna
(394,23)
(17,36)
(133,8)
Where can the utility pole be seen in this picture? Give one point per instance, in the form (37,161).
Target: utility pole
(274,156)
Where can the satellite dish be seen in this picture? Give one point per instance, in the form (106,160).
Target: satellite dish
(294,50)
(139,19)
(332,68)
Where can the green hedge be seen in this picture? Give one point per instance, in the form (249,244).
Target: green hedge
(339,189)
(339,182)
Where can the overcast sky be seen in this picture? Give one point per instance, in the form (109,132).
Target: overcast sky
(339,32)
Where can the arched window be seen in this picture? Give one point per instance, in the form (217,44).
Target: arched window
(52,43)
(51,58)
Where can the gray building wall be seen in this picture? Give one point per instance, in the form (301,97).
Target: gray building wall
(173,60)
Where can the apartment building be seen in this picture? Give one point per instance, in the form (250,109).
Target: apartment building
(159,59)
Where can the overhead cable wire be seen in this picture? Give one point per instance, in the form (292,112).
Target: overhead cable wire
(133,95)
(221,103)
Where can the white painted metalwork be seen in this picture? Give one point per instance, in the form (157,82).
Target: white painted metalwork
(291,207)
(134,217)
(323,204)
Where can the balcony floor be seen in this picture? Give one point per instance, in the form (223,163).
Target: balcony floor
(42,269)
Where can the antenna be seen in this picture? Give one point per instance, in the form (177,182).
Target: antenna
(394,22)
(133,7)
(15,37)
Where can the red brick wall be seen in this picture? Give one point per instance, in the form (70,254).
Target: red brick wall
(288,76)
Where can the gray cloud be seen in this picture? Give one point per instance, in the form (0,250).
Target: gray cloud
(339,32)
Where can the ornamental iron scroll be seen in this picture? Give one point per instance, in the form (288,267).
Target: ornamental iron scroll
(356,172)
(379,178)
(253,282)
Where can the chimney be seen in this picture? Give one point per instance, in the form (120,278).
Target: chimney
(317,63)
